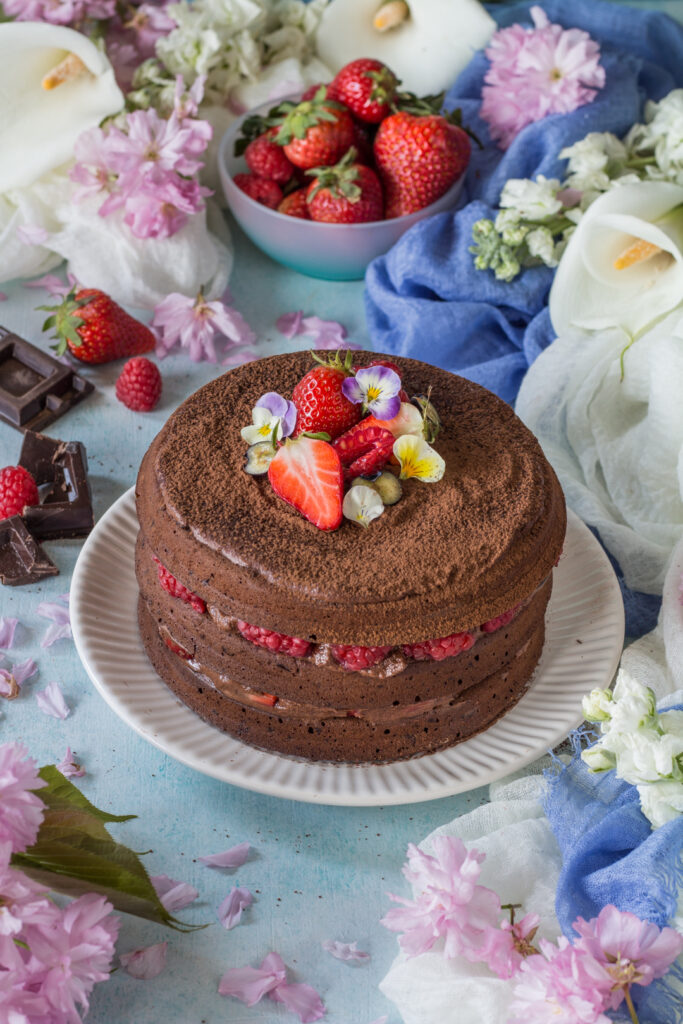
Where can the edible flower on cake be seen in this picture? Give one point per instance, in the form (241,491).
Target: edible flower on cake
(272,416)
(362,504)
(377,388)
(418,459)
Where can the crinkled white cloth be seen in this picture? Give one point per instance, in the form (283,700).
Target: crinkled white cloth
(522,857)
(616,445)
(102,252)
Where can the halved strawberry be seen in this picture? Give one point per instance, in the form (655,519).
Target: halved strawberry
(364,450)
(307,474)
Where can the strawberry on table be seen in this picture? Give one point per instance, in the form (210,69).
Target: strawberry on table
(314,132)
(263,190)
(96,329)
(321,404)
(307,474)
(418,158)
(367,87)
(347,193)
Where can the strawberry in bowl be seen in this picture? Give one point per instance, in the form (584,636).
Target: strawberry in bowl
(353,146)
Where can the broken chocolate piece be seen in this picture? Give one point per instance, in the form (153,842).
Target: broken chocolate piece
(35,388)
(66,508)
(22,560)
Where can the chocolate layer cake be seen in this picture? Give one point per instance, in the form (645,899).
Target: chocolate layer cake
(466,561)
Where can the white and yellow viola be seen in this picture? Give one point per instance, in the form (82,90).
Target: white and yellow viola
(623,266)
(426,43)
(54,84)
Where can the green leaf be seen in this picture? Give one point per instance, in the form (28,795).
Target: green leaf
(74,854)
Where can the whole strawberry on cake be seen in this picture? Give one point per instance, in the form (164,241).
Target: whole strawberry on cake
(346,558)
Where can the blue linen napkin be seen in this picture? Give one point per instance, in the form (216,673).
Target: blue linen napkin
(424,298)
(610,854)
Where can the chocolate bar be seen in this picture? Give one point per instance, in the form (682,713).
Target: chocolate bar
(66,507)
(35,388)
(22,560)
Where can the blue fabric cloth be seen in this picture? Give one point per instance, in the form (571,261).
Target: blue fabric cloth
(611,855)
(425,299)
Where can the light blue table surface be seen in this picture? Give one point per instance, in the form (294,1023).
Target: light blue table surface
(317,872)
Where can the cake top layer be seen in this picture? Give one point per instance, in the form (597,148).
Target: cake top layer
(494,524)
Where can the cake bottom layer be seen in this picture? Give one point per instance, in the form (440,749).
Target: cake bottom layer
(385,735)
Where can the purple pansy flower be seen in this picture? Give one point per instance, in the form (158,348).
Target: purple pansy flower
(270,412)
(377,387)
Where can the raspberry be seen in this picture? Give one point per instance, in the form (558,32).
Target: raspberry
(278,643)
(176,589)
(263,190)
(176,648)
(500,620)
(356,658)
(139,385)
(437,650)
(266,159)
(17,490)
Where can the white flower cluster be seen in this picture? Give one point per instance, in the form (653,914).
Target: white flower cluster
(231,41)
(644,747)
(537,217)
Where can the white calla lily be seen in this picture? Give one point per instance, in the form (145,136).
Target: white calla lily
(623,266)
(55,83)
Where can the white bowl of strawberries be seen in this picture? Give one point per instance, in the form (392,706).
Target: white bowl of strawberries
(327,181)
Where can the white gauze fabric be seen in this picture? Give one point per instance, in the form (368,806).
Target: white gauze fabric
(616,445)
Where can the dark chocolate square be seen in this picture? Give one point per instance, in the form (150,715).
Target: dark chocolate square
(35,388)
(66,507)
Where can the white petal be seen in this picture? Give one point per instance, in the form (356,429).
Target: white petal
(362,504)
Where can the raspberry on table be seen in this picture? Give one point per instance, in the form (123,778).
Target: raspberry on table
(437,650)
(278,643)
(139,385)
(17,490)
(176,589)
(355,658)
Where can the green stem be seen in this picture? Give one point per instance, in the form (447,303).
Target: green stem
(631,1007)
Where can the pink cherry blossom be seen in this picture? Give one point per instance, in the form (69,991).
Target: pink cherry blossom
(7,630)
(68,767)
(560,985)
(196,324)
(72,953)
(159,210)
(324,334)
(145,963)
(11,680)
(21,896)
(449,904)
(21,811)
(631,951)
(235,857)
(149,21)
(536,72)
(61,623)
(94,169)
(344,950)
(505,947)
(52,284)
(186,101)
(59,12)
(51,701)
(230,910)
(153,142)
(251,984)
(174,895)
(32,234)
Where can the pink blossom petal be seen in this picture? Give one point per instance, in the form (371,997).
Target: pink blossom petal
(21,811)
(51,701)
(230,910)
(344,950)
(7,631)
(69,768)
(250,984)
(324,333)
(239,356)
(61,623)
(32,234)
(12,680)
(145,963)
(3,297)
(174,895)
(300,999)
(53,284)
(289,324)
(235,857)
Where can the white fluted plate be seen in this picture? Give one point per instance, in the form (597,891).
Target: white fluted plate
(584,640)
